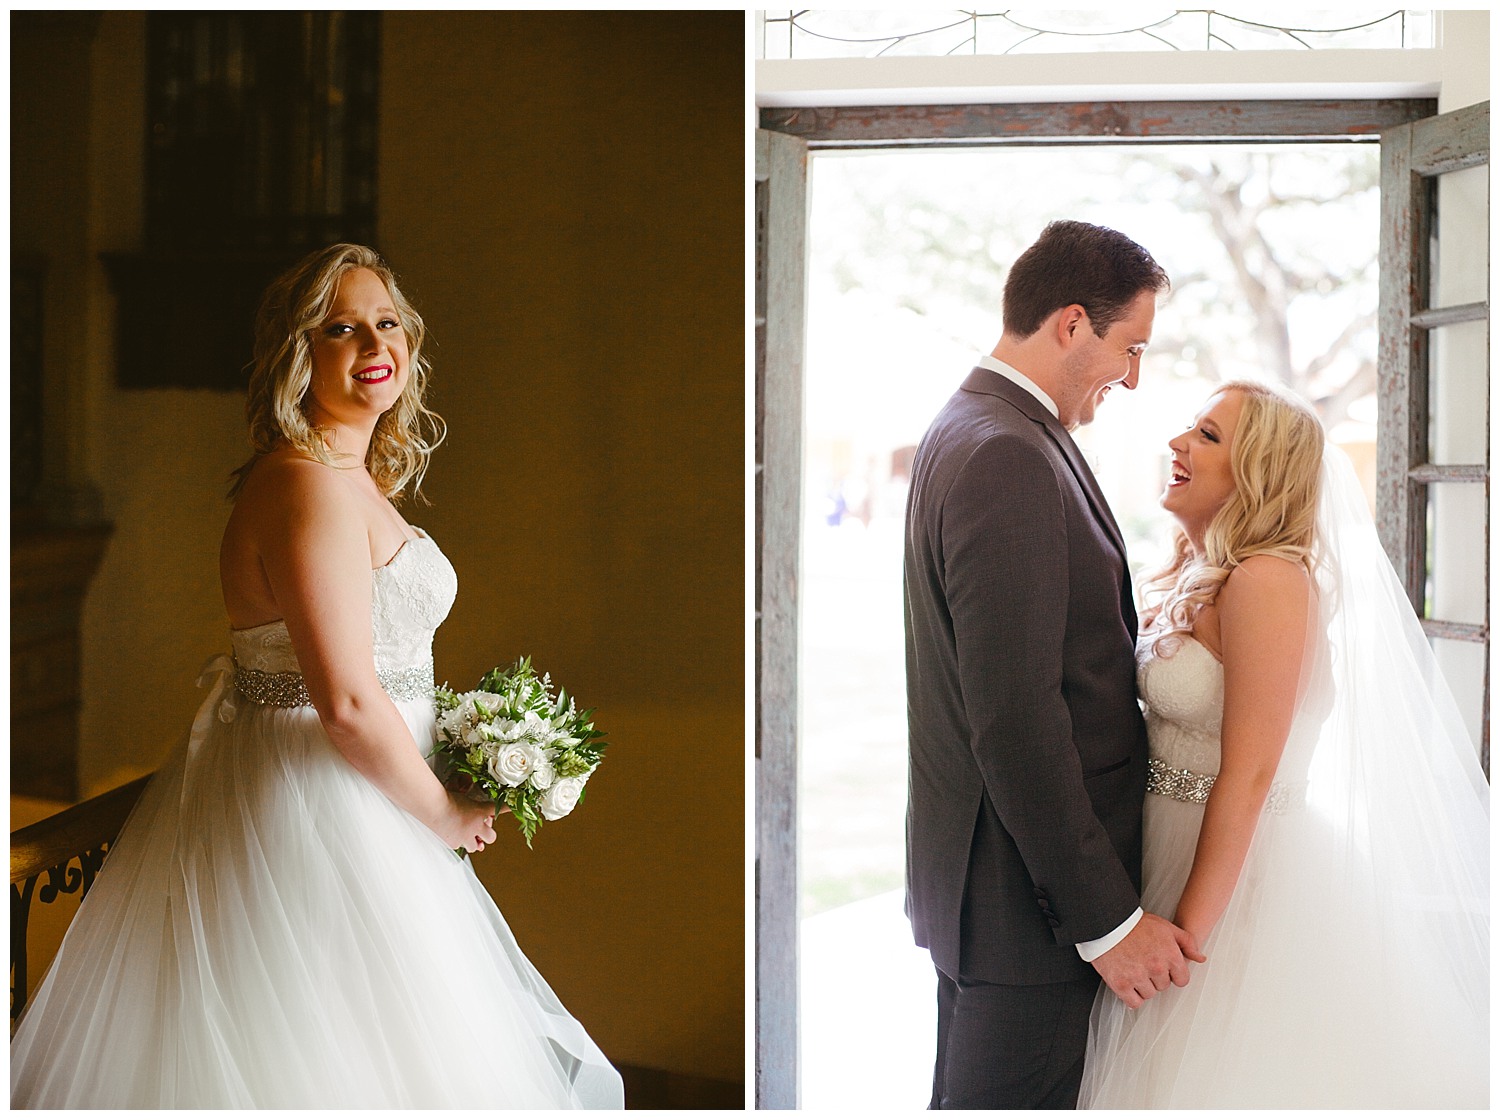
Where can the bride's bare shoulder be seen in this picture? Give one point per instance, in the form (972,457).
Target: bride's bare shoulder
(285,483)
(292,515)
(1266,599)
(1263,577)
(291,501)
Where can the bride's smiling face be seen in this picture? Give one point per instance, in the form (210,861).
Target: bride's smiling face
(1201,480)
(359,354)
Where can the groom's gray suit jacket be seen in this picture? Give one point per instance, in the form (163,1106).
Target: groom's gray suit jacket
(1028,750)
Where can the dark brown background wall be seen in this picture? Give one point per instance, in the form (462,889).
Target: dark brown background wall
(562,196)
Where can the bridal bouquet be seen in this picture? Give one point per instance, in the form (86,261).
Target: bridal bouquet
(511,742)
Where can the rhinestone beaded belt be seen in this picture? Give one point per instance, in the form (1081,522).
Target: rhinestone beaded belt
(289,690)
(1192,787)
(1179,785)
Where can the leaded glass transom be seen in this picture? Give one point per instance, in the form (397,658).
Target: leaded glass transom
(806,34)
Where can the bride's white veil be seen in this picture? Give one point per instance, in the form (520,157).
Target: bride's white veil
(1352,963)
(1366,902)
(1394,769)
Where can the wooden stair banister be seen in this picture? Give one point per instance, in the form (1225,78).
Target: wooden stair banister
(67,848)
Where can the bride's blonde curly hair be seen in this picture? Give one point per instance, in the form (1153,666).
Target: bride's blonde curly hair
(292,309)
(1275,457)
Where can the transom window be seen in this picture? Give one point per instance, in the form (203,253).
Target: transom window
(805,34)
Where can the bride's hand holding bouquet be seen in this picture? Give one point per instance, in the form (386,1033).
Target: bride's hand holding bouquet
(511,742)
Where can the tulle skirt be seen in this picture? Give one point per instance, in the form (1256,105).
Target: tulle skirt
(1323,989)
(270,931)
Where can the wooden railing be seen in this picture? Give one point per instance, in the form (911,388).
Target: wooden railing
(66,850)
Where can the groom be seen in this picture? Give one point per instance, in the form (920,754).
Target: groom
(1028,751)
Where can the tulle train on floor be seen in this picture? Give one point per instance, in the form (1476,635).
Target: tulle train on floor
(272,932)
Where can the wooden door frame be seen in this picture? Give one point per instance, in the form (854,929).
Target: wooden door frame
(1094,122)
(1412,157)
(780,308)
(780,286)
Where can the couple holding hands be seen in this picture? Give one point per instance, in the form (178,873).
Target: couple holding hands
(1252,810)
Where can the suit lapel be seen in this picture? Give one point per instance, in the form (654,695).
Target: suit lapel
(981,380)
(1086,478)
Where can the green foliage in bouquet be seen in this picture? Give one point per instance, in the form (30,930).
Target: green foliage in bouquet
(510,741)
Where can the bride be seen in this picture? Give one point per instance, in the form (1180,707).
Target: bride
(1315,815)
(282,922)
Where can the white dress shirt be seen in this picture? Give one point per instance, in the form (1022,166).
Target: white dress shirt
(994,364)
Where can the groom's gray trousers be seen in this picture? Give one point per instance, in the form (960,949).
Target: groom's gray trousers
(1010,1045)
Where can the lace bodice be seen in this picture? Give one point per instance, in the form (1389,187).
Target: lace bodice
(1184,693)
(411,595)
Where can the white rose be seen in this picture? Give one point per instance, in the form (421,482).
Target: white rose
(559,800)
(543,773)
(512,764)
(489,701)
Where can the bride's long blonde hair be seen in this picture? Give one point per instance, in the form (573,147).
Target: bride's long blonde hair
(292,309)
(1275,456)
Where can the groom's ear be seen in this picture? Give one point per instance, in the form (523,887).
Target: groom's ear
(1070,321)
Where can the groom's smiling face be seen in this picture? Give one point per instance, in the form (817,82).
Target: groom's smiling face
(1094,365)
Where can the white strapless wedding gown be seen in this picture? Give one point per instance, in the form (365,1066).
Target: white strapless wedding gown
(270,931)
(1313,996)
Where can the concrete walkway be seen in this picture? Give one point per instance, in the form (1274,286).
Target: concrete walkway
(868,1010)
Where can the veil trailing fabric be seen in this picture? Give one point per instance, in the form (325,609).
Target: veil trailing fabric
(1351,967)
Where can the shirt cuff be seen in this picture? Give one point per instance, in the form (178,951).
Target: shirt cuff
(1089,950)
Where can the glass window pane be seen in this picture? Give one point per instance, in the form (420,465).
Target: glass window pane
(1462,666)
(804,33)
(1251,28)
(1462,267)
(881,34)
(1456,514)
(1458,393)
(775,34)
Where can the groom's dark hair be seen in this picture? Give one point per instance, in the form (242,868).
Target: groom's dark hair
(1074,262)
